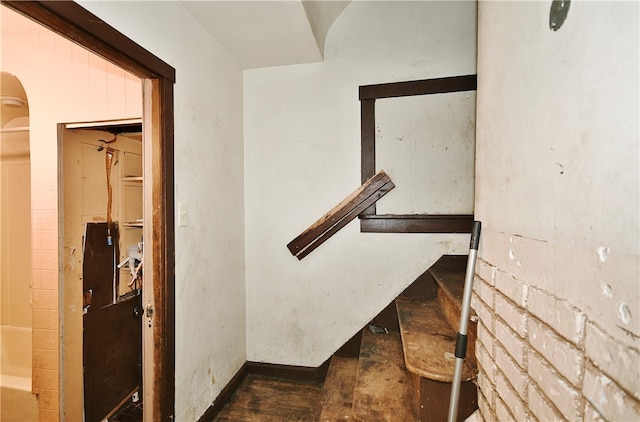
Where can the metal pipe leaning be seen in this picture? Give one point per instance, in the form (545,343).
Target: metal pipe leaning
(461,340)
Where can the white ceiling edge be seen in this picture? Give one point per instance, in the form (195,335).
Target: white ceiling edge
(266,33)
(322,14)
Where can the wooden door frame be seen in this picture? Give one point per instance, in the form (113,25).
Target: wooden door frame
(72,21)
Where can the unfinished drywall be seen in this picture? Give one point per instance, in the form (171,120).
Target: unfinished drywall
(210,299)
(557,190)
(302,157)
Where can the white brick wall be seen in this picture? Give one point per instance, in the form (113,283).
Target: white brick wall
(486,409)
(614,359)
(540,407)
(512,288)
(512,371)
(485,387)
(608,399)
(508,395)
(486,271)
(567,320)
(514,316)
(560,392)
(502,412)
(562,355)
(514,344)
(591,414)
(484,290)
(540,358)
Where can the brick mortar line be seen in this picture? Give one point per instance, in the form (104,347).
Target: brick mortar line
(493,311)
(492,407)
(580,345)
(580,388)
(551,403)
(525,405)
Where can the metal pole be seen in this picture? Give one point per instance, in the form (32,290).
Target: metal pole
(461,340)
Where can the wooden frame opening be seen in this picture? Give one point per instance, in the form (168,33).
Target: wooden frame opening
(72,21)
(370,221)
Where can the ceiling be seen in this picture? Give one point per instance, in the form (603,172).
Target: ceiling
(268,33)
(256,34)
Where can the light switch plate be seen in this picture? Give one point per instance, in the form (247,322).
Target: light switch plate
(183,214)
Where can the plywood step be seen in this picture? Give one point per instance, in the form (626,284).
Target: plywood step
(428,341)
(383,390)
(449,273)
(337,398)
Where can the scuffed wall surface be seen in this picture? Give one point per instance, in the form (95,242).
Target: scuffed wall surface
(302,157)
(557,190)
(210,289)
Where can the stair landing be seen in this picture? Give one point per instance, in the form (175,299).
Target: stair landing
(273,400)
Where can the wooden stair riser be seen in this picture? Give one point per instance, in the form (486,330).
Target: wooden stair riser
(433,397)
(428,329)
(449,273)
(451,311)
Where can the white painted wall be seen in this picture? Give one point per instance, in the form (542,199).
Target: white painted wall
(302,156)
(436,158)
(557,158)
(558,192)
(210,288)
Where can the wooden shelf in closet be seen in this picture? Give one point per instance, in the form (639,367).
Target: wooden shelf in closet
(136,224)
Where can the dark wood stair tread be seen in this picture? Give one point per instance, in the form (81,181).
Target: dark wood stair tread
(383,390)
(429,341)
(337,397)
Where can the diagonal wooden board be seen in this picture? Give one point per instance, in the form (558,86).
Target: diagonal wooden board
(325,227)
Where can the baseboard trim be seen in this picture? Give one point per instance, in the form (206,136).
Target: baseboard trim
(223,398)
(289,372)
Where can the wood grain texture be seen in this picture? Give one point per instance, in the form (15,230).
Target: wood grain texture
(419,87)
(348,209)
(434,398)
(270,400)
(429,341)
(415,223)
(449,273)
(383,390)
(337,393)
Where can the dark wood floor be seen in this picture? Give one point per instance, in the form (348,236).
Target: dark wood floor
(398,370)
(267,400)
